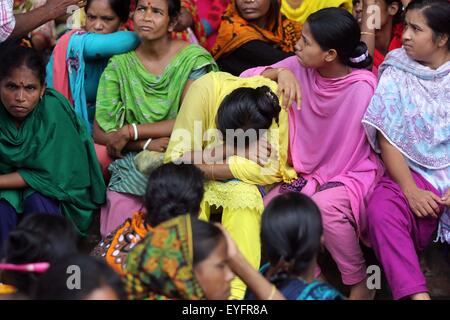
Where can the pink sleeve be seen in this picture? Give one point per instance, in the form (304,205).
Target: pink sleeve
(288,63)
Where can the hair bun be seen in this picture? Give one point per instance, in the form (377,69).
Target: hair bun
(360,57)
(268,103)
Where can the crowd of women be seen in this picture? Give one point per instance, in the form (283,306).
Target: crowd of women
(298,125)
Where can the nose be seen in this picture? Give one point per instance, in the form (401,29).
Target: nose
(406,35)
(19,96)
(148,14)
(98,26)
(297,46)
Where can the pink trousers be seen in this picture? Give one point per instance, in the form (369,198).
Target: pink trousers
(339,230)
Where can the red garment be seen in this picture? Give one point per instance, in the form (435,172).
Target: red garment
(396,42)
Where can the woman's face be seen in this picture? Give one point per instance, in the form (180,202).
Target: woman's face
(20,92)
(101,18)
(418,40)
(214,275)
(308,51)
(255,11)
(151,19)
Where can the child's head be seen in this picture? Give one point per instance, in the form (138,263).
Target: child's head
(210,260)
(38,238)
(173,190)
(291,230)
(332,35)
(80,277)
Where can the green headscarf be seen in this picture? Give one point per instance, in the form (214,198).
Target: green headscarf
(54,154)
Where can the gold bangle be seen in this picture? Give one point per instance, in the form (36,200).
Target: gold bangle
(272,293)
(367,33)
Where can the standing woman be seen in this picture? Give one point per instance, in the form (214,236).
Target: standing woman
(138,99)
(80,56)
(254,33)
(408,123)
(47,158)
(328,146)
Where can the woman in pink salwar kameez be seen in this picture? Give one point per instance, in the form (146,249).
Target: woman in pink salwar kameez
(328,147)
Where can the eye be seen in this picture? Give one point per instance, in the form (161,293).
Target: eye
(30,88)
(140,9)
(11,86)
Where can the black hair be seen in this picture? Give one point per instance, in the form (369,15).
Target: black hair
(206,237)
(291,227)
(13,55)
(437,14)
(94,274)
(120,7)
(248,108)
(174,8)
(398,16)
(37,238)
(173,190)
(336,28)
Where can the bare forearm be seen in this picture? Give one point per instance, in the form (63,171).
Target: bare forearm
(367,26)
(271,73)
(255,281)
(12,181)
(396,164)
(216,171)
(156,130)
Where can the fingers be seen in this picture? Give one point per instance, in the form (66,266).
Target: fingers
(299,97)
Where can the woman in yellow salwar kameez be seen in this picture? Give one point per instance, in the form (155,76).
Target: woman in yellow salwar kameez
(235,183)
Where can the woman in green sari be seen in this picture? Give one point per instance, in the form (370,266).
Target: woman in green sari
(47,159)
(138,98)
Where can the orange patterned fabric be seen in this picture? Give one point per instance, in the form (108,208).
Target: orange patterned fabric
(116,246)
(234,32)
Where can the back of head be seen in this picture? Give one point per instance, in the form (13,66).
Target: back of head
(248,109)
(173,190)
(336,28)
(14,55)
(77,277)
(291,229)
(437,14)
(38,238)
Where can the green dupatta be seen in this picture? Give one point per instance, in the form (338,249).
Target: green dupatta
(54,154)
(160,267)
(129,93)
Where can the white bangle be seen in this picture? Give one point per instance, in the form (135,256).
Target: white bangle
(136,134)
(147,144)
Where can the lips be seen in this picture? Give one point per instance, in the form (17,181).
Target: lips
(18,109)
(145,29)
(249,10)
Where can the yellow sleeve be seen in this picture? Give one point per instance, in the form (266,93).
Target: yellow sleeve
(277,170)
(192,120)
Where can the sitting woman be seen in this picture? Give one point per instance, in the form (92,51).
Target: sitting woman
(80,56)
(189,259)
(386,37)
(328,146)
(220,107)
(407,122)
(252,34)
(291,236)
(300,10)
(47,158)
(138,99)
(172,190)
